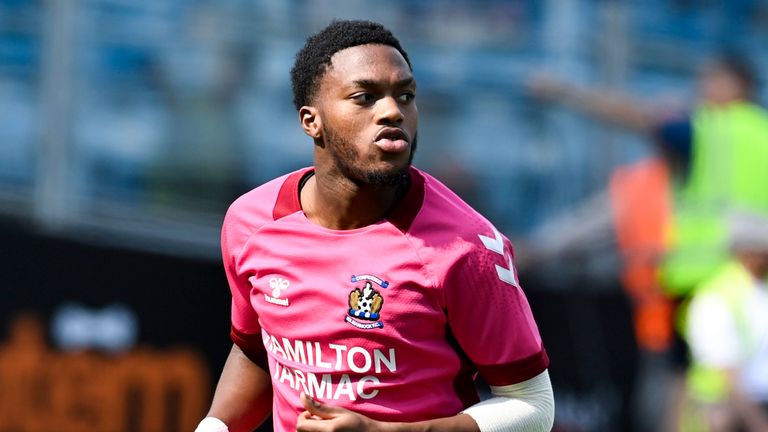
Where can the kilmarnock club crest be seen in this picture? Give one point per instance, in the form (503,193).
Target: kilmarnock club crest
(365,302)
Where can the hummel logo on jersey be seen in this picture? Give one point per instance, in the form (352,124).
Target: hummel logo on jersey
(278,285)
(365,303)
(496,244)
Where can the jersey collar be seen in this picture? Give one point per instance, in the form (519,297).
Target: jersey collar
(401,216)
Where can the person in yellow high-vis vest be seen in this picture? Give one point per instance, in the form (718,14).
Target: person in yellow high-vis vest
(728,171)
(727,329)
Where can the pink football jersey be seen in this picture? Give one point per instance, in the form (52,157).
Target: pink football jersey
(392,320)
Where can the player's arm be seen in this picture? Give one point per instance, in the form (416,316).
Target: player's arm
(321,417)
(524,407)
(515,370)
(243,397)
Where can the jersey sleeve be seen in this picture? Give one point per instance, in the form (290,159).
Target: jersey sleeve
(246,330)
(489,314)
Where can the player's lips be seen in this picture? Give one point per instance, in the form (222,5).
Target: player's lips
(392,139)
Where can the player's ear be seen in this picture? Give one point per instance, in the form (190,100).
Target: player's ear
(311,122)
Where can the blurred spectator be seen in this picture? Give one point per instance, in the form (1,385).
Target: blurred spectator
(727,329)
(668,209)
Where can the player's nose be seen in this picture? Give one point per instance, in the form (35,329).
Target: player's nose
(389,111)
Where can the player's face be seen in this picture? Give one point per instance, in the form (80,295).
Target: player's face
(369,116)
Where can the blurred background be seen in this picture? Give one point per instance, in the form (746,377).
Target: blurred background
(128,126)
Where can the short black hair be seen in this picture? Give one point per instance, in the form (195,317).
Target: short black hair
(313,59)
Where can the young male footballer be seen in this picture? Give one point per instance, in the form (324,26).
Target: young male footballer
(365,294)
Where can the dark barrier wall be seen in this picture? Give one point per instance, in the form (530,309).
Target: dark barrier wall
(588,333)
(160,379)
(104,340)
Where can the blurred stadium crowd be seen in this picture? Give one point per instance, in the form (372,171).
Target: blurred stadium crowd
(134,123)
(131,109)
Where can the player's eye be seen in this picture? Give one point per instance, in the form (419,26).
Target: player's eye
(362,98)
(406,97)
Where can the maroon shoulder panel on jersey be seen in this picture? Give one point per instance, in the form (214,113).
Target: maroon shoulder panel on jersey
(251,346)
(515,372)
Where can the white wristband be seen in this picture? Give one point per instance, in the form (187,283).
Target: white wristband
(211,424)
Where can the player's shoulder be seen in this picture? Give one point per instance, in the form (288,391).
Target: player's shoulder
(260,205)
(454,240)
(447,217)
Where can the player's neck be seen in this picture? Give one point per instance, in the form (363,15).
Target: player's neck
(340,204)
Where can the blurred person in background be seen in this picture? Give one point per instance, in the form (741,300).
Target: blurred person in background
(717,156)
(433,296)
(667,209)
(727,329)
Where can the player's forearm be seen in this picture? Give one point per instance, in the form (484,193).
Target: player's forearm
(243,398)
(526,419)
(524,407)
(458,423)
